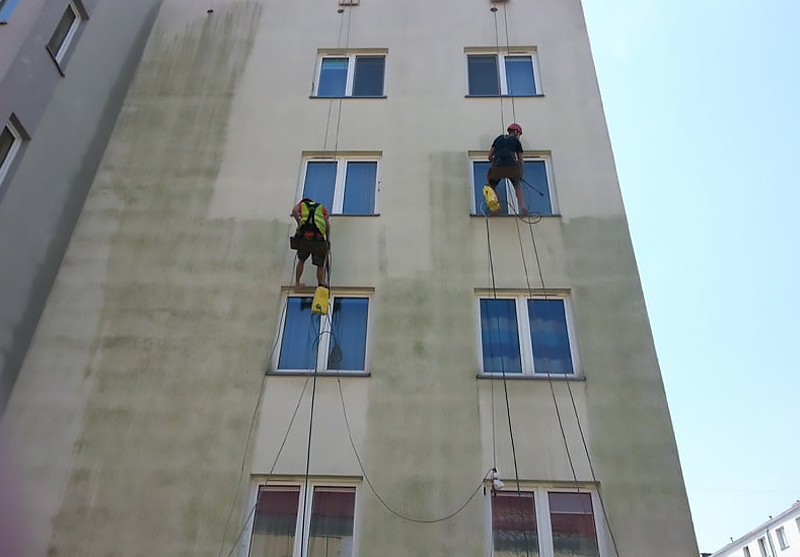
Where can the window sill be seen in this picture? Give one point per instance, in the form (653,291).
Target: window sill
(298,373)
(348,97)
(370,215)
(502,96)
(554,215)
(537,377)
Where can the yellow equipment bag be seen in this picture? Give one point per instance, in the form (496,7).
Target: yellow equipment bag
(320,303)
(491,199)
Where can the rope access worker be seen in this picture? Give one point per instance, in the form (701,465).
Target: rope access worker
(507,162)
(314,235)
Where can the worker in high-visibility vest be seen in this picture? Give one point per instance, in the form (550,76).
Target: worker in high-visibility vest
(313,225)
(507,162)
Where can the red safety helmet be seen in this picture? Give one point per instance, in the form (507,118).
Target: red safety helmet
(515,128)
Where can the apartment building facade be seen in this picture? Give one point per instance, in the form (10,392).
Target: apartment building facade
(482,385)
(777,537)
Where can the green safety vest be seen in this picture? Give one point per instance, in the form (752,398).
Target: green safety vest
(312,218)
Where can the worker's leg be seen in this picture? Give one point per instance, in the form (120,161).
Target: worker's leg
(298,273)
(319,261)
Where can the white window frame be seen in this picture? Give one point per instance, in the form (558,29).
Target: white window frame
(524,332)
(511,195)
(305,495)
(501,69)
(16,145)
(746,551)
(324,337)
(341,176)
(762,547)
(351,72)
(780,532)
(542,512)
(65,44)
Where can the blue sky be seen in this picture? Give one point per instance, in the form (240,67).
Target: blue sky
(701,102)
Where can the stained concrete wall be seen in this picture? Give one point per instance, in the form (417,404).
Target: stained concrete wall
(69,119)
(136,398)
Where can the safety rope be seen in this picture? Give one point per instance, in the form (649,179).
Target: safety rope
(574,408)
(505,390)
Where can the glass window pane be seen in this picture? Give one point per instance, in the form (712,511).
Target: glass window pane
(62,30)
(275,521)
(479,171)
(348,347)
(300,333)
(500,337)
(6,7)
(514,524)
(550,337)
(519,75)
(536,188)
(368,78)
(333,77)
(331,528)
(320,182)
(483,75)
(6,141)
(572,521)
(359,188)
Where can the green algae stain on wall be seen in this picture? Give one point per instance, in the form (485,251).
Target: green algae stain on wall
(182,330)
(423,396)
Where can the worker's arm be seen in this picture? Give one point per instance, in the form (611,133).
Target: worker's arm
(491,154)
(327,226)
(296,214)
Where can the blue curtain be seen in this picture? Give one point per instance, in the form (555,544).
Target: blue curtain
(549,336)
(519,75)
(359,188)
(368,78)
(300,331)
(320,182)
(348,345)
(537,191)
(483,75)
(500,337)
(333,77)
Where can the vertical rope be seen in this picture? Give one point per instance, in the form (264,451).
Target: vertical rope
(508,404)
(508,52)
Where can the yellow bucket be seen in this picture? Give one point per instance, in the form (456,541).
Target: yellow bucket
(491,199)
(320,303)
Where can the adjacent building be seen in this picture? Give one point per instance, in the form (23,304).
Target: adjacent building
(65,67)
(482,384)
(777,537)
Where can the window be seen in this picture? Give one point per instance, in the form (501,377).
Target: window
(762,547)
(334,342)
(797,523)
(746,551)
(11,138)
(58,44)
(528,336)
(6,7)
(492,75)
(343,186)
(547,522)
(536,188)
(781,533)
(351,75)
(325,528)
